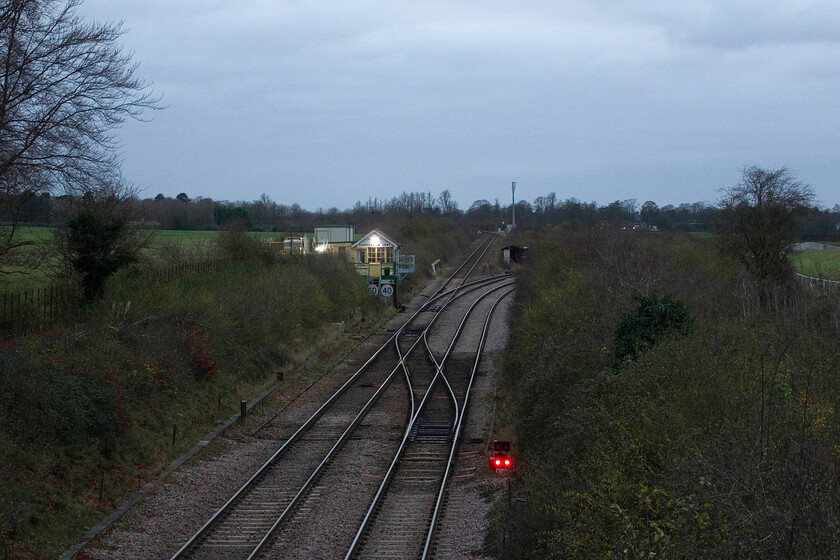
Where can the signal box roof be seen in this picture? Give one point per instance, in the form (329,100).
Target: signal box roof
(375,238)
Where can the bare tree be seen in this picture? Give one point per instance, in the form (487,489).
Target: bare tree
(756,221)
(65,85)
(446,204)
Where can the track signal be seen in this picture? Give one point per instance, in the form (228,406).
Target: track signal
(501,460)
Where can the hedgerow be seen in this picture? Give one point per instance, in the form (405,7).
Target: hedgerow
(721,443)
(95,407)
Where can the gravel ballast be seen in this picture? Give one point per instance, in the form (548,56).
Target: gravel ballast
(159,524)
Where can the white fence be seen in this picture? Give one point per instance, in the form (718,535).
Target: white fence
(827,286)
(811,245)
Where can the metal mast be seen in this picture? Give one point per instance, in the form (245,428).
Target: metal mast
(513,203)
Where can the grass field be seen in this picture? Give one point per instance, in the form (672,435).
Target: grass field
(33,233)
(166,244)
(196,244)
(821,263)
(164,235)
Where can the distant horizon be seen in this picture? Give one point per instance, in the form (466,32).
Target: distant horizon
(324,104)
(463,208)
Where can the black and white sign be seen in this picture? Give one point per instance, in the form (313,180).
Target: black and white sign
(373,288)
(386,290)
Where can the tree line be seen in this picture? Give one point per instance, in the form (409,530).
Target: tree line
(66,85)
(264,214)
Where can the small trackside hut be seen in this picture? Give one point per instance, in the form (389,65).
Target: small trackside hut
(334,240)
(296,245)
(514,254)
(377,257)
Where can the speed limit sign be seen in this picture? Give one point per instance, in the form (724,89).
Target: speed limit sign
(373,288)
(387,290)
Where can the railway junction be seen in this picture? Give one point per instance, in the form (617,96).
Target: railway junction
(384,457)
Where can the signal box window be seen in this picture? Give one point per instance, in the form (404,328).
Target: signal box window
(378,254)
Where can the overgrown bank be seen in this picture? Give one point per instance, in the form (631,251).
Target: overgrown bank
(719,442)
(94,408)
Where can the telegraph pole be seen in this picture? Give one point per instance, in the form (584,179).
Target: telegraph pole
(513,205)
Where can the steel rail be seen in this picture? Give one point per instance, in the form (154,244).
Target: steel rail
(439,366)
(309,422)
(484,247)
(453,342)
(341,440)
(437,295)
(442,492)
(362,413)
(452,346)
(381,490)
(398,454)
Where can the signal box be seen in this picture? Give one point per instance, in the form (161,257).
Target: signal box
(500,459)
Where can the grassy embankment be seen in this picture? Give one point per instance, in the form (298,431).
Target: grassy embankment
(167,247)
(720,444)
(819,263)
(99,405)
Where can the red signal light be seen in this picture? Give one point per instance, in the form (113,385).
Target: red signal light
(501,461)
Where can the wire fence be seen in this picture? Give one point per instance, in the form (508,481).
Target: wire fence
(27,311)
(168,273)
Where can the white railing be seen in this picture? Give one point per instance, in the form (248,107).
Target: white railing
(807,245)
(406,264)
(813,281)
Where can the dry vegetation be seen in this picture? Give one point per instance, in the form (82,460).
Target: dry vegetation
(719,443)
(100,404)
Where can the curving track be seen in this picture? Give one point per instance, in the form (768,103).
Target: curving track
(387,437)
(400,522)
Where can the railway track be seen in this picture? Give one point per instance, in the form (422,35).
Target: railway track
(401,520)
(399,408)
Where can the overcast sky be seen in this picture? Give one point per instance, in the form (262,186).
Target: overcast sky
(325,103)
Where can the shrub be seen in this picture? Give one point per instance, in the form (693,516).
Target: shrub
(234,243)
(46,406)
(721,444)
(645,326)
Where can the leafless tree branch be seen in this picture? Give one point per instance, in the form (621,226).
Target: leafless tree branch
(65,86)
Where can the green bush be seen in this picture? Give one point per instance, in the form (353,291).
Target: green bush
(720,443)
(641,329)
(234,243)
(52,416)
(97,404)
(43,406)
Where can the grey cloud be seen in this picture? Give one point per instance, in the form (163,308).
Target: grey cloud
(597,99)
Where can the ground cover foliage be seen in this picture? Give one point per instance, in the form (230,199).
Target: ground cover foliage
(721,442)
(92,411)
(97,406)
